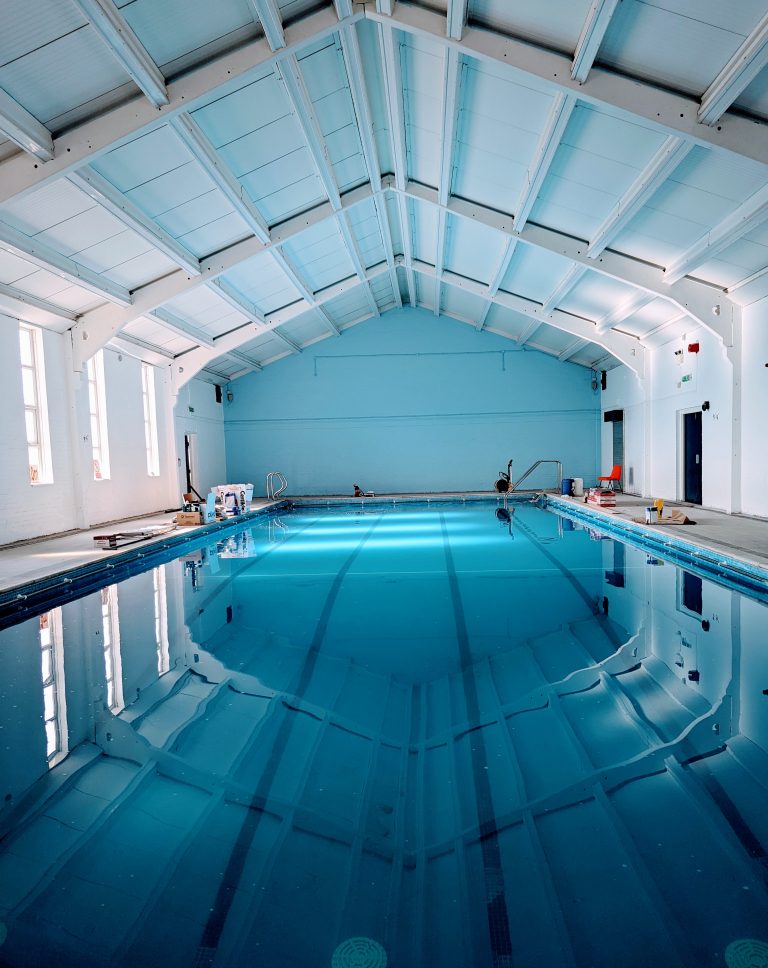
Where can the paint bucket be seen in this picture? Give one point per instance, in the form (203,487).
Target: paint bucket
(578,487)
(566,485)
(649,515)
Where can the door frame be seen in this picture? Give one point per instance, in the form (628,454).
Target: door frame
(680,490)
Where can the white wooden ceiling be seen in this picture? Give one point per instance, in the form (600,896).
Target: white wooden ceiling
(215,186)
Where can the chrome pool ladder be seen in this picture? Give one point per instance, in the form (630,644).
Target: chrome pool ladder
(514,485)
(273,494)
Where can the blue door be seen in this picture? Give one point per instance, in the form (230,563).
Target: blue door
(692,457)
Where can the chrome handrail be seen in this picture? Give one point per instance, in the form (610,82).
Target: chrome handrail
(273,494)
(513,485)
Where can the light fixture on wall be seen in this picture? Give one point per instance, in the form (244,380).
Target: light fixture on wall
(230,396)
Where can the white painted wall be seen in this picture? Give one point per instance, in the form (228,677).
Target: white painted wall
(74,499)
(197,412)
(754,409)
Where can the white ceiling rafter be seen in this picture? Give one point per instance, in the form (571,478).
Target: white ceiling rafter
(385,6)
(566,284)
(128,343)
(625,310)
(442,218)
(23,129)
(46,257)
(748,280)
(738,73)
(193,361)
(118,35)
(570,351)
(182,327)
(667,111)
(268,14)
(546,148)
(528,333)
(326,318)
(35,302)
(248,363)
(343,8)
(86,142)
(105,194)
(625,348)
(393,88)
(647,183)
(748,216)
(354,255)
(456,18)
(207,156)
(693,297)
(596,24)
(451,93)
(239,302)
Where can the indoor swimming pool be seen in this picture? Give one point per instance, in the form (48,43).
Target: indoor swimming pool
(446,734)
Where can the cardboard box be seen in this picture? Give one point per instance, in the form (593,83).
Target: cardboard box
(602,499)
(186,519)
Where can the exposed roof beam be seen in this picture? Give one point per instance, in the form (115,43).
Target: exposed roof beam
(456,18)
(752,277)
(135,341)
(191,363)
(385,7)
(393,83)
(354,254)
(528,333)
(268,14)
(288,343)
(570,351)
(222,75)
(665,325)
(442,218)
(34,302)
(207,156)
(647,183)
(549,142)
(343,8)
(113,200)
(405,235)
(593,31)
(451,85)
(226,291)
(118,35)
(693,297)
(180,326)
(625,348)
(661,109)
(740,71)
(326,317)
(293,276)
(290,74)
(350,50)
(625,310)
(46,257)
(496,279)
(245,360)
(95,327)
(735,226)
(566,284)
(23,129)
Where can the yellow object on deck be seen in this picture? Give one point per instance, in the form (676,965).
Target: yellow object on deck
(659,505)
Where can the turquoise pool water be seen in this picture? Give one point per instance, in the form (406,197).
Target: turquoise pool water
(446,735)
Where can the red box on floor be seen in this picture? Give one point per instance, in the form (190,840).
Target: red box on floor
(601,499)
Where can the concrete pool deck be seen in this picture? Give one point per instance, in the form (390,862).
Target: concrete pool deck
(736,536)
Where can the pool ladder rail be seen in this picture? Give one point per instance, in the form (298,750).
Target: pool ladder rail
(514,485)
(272,494)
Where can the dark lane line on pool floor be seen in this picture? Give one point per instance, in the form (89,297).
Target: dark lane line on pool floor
(225,896)
(493,873)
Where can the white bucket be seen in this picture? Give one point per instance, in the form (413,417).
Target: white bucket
(578,487)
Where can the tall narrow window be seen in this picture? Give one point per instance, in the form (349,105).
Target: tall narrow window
(150,419)
(54,697)
(113,665)
(97,404)
(35,406)
(161,620)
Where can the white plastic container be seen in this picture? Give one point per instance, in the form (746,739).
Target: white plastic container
(578,487)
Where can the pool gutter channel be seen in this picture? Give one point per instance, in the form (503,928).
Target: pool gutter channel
(30,597)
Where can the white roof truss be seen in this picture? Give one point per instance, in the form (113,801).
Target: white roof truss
(268,14)
(570,351)
(118,35)
(24,130)
(456,18)
(26,299)
(740,71)
(182,327)
(596,23)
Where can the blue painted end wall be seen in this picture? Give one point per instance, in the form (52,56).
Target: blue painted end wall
(410,402)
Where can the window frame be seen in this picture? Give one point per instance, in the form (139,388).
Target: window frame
(97,410)
(42,471)
(149,404)
(53,685)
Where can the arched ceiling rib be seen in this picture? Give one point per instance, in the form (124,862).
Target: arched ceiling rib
(321,170)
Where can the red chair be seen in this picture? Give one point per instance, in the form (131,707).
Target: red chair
(613,478)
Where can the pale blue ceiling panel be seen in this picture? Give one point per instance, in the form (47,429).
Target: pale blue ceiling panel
(595,295)
(248,109)
(215,236)
(304,328)
(207,310)
(167,192)
(534,273)
(381,288)
(197,213)
(737,262)
(472,249)
(170,29)
(367,233)
(393,213)
(40,282)
(504,322)
(569,207)
(266,348)
(656,313)
(656,237)
(29,25)
(319,255)
(144,158)
(276,140)
(349,307)
(754,98)
(682,44)
(424,231)
(556,23)
(263,282)
(720,176)
(104,256)
(281,203)
(151,331)
(60,76)
(93,225)
(291,9)
(463,304)
(422,70)
(551,339)
(58,201)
